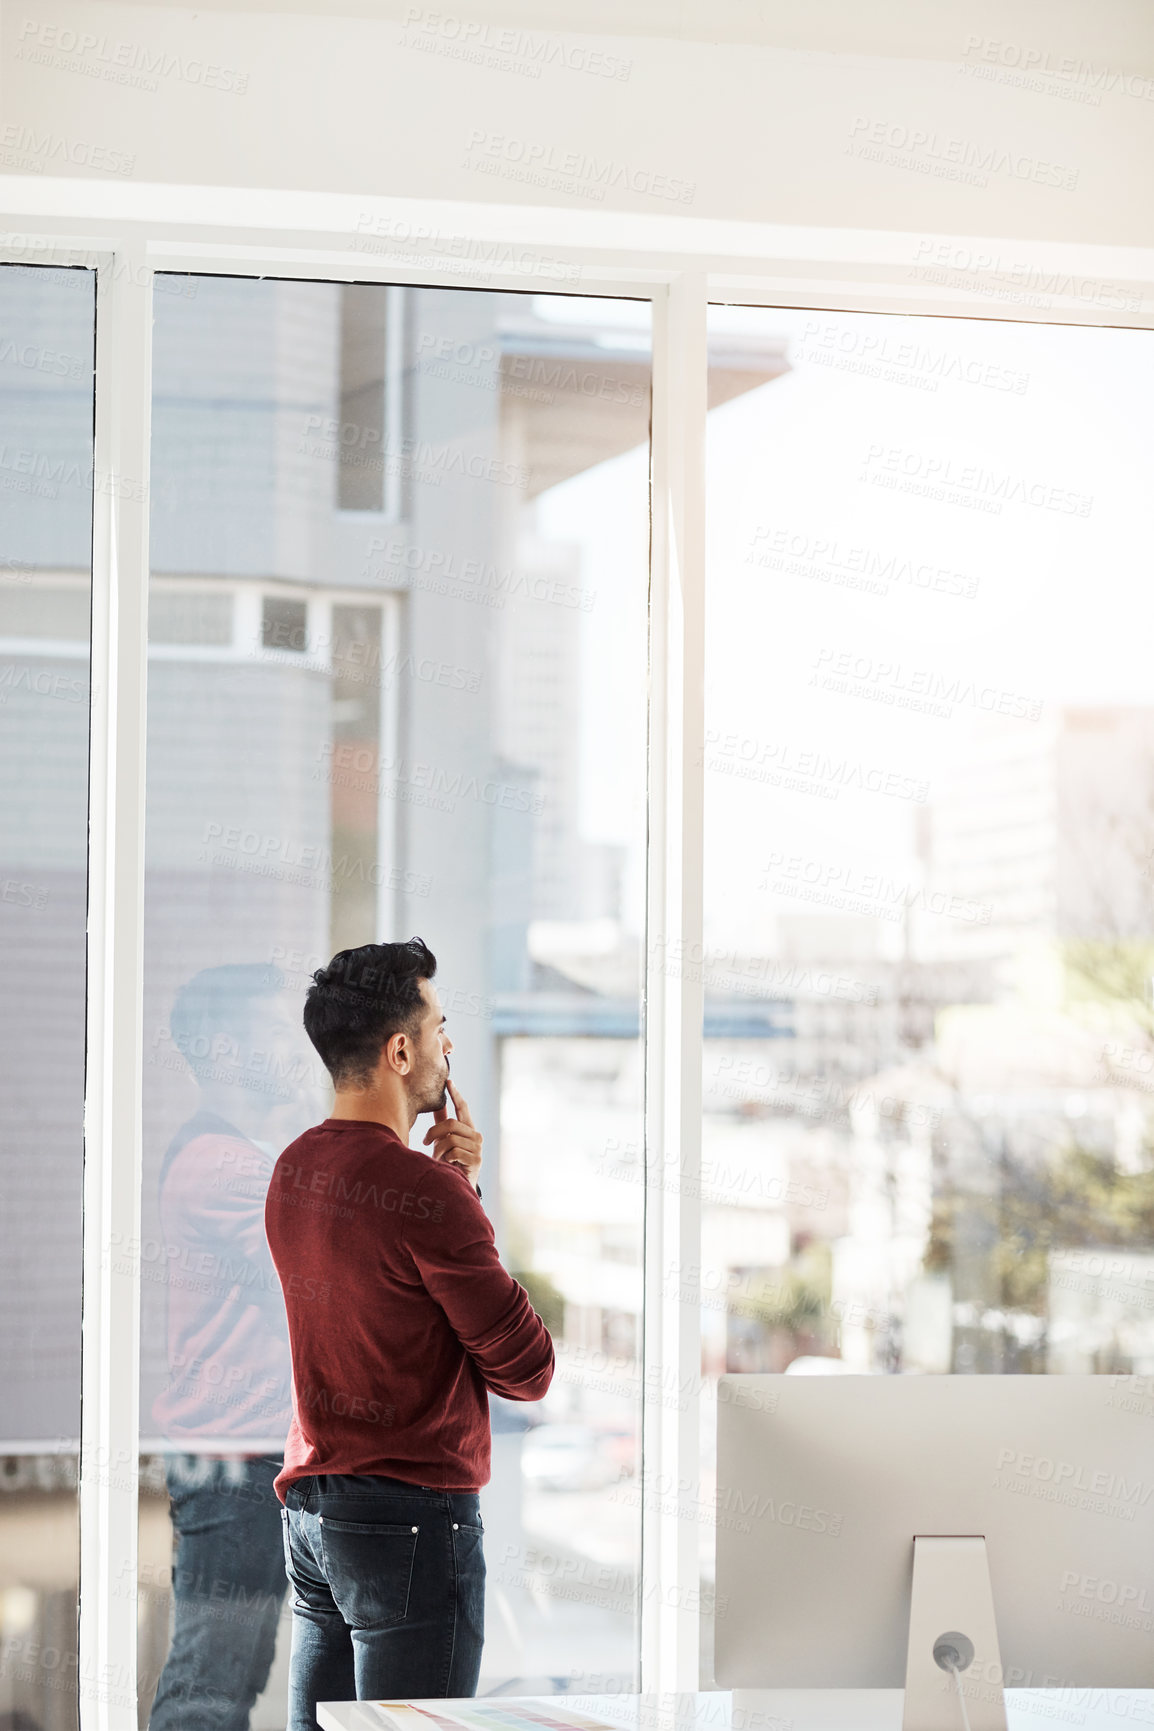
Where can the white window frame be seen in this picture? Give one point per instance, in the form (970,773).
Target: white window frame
(680,264)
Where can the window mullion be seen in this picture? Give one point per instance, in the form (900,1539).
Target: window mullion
(671,1480)
(112,1117)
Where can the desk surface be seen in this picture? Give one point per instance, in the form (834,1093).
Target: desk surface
(738,1710)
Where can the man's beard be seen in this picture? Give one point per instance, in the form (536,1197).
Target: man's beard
(433,1095)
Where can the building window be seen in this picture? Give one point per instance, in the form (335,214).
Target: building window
(364,320)
(284,624)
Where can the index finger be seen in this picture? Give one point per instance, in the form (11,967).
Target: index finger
(459,1102)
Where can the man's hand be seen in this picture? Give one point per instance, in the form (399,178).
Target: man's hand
(456,1140)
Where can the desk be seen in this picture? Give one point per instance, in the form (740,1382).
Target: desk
(785,1710)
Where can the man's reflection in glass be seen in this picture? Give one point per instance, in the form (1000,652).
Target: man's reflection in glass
(229,1388)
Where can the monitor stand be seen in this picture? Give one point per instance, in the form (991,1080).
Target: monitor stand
(953,1637)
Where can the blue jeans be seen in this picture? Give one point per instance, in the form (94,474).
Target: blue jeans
(388,1587)
(228,1586)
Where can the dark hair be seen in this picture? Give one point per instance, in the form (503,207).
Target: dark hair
(219,1001)
(361,999)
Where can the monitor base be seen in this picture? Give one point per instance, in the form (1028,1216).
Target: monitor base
(953,1667)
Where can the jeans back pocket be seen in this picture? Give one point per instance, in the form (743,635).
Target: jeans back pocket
(369,1568)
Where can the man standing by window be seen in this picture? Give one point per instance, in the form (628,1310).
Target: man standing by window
(401,1320)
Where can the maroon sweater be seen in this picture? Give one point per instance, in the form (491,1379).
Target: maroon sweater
(400,1314)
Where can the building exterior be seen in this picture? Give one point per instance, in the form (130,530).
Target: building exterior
(1047,830)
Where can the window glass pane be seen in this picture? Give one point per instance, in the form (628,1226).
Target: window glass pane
(929,746)
(433,723)
(46,408)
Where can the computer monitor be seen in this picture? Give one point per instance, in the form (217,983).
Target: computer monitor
(823,1484)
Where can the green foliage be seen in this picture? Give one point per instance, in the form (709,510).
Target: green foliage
(797,1300)
(544,1296)
(1081,1199)
(1116,972)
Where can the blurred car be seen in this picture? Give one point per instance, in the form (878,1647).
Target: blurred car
(575,1457)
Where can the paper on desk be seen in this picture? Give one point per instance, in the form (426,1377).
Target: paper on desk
(488,1716)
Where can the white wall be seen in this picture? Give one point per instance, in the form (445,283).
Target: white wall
(759,115)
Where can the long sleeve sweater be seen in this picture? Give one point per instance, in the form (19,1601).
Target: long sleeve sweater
(400,1315)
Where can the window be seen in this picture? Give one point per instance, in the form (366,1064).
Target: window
(284,624)
(929,760)
(400,675)
(46,406)
(356,735)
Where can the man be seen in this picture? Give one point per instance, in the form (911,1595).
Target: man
(226,1403)
(401,1320)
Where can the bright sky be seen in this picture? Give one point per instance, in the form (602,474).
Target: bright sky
(844,450)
